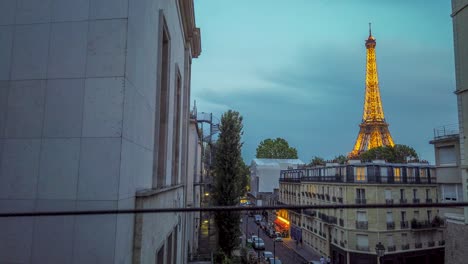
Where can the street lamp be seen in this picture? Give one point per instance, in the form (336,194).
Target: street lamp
(380,250)
(274,248)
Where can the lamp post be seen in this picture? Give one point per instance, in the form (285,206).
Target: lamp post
(380,250)
(274,249)
(246,227)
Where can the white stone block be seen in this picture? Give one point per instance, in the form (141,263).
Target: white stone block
(33,11)
(58,175)
(106,48)
(103,107)
(7,12)
(6,44)
(105,9)
(16,233)
(136,169)
(19,168)
(70,10)
(30,52)
(95,236)
(4,87)
(99,169)
(25,109)
(64,108)
(67,53)
(138,124)
(53,236)
(124,235)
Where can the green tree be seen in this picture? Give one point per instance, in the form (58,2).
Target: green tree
(275,149)
(229,183)
(317,161)
(341,159)
(395,154)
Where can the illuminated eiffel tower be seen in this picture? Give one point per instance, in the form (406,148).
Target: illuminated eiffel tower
(373,130)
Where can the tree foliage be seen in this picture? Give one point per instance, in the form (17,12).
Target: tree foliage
(395,154)
(229,171)
(317,161)
(341,159)
(275,149)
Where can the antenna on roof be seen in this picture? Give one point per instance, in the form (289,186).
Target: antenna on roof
(370,30)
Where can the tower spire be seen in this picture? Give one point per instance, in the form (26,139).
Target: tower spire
(373,129)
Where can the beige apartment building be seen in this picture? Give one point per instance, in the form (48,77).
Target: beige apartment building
(413,234)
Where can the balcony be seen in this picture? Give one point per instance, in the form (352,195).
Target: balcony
(363,225)
(335,241)
(388,201)
(340,199)
(426,224)
(441,242)
(315,230)
(341,222)
(310,212)
(415,200)
(362,248)
(390,225)
(418,245)
(428,200)
(404,224)
(321,196)
(341,243)
(391,248)
(403,201)
(327,197)
(430,243)
(405,247)
(360,201)
(334,199)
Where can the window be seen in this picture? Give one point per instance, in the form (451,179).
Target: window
(160,255)
(404,238)
(449,192)
(175,245)
(390,241)
(362,216)
(389,217)
(360,194)
(415,193)
(422,173)
(397,174)
(416,215)
(388,195)
(447,155)
(169,249)
(402,194)
(362,242)
(176,130)
(403,216)
(428,191)
(360,173)
(429,215)
(162,111)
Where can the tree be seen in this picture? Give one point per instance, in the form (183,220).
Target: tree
(317,161)
(229,184)
(275,149)
(395,154)
(341,159)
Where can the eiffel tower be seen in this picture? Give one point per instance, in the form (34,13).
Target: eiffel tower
(373,130)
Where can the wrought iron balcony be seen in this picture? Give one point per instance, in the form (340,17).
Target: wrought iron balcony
(428,200)
(426,224)
(333,199)
(391,248)
(340,199)
(364,225)
(405,247)
(341,222)
(415,200)
(418,245)
(390,225)
(310,212)
(404,224)
(327,197)
(360,201)
(431,243)
(389,201)
(403,201)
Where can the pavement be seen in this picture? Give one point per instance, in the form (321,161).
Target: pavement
(300,249)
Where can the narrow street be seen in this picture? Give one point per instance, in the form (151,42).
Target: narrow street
(286,255)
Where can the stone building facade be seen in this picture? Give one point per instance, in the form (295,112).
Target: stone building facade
(94,114)
(350,235)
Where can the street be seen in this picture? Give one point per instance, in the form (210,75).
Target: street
(286,255)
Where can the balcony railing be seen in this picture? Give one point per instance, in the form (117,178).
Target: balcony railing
(315,230)
(333,199)
(341,222)
(390,225)
(404,224)
(340,199)
(415,200)
(389,201)
(362,225)
(335,241)
(418,245)
(360,201)
(441,242)
(431,243)
(403,201)
(341,243)
(327,197)
(362,248)
(428,200)
(310,212)
(391,248)
(426,224)
(405,247)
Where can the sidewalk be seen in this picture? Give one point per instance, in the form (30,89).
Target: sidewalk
(301,250)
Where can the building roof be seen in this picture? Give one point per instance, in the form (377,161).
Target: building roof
(277,162)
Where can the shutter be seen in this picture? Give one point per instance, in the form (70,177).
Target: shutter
(389,217)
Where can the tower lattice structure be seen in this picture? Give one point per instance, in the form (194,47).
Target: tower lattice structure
(373,130)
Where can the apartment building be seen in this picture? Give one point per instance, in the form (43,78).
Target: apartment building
(94,114)
(412,234)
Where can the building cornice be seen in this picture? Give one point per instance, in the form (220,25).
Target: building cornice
(191,32)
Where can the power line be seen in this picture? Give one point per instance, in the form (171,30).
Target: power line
(227,208)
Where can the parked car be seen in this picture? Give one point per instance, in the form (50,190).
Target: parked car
(258,218)
(258,244)
(274,261)
(267,255)
(278,239)
(271,233)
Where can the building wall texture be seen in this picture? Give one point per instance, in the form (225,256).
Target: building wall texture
(78,99)
(455,250)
